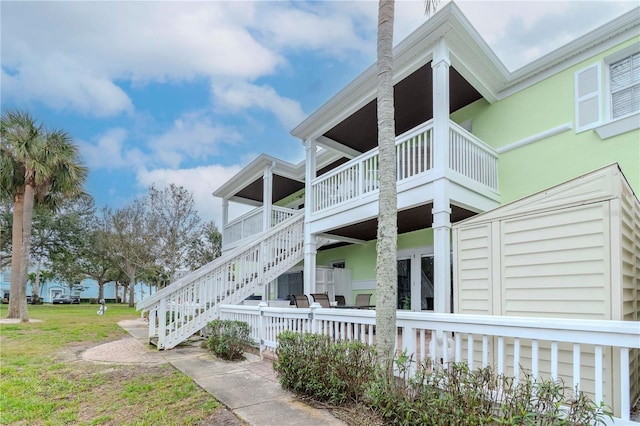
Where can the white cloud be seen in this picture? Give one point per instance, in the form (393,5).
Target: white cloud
(109,152)
(70,54)
(201,181)
(63,86)
(521,31)
(331,27)
(193,136)
(240,96)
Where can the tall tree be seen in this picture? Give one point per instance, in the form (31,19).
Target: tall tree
(386,259)
(130,241)
(36,165)
(173,217)
(206,247)
(386,263)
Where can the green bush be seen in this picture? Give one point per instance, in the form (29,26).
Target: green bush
(333,372)
(460,396)
(228,339)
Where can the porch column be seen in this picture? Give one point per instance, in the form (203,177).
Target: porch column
(310,248)
(441,247)
(267,196)
(225,219)
(440,67)
(441,206)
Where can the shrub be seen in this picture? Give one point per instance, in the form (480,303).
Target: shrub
(228,339)
(333,372)
(434,395)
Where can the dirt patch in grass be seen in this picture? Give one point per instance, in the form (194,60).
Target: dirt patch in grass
(142,394)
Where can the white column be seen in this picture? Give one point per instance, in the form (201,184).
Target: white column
(310,248)
(440,67)
(267,196)
(225,219)
(441,206)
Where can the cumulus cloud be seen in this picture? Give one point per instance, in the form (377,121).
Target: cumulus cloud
(240,96)
(65,87)
(521,31)
(72,54)
(108,151)
(331,27)
(193,136)
(201,181)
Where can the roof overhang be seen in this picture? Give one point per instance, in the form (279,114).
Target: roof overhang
(246,185)
(471,57)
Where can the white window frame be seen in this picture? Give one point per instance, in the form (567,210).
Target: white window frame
(608,61)
(606,127)
(613,127)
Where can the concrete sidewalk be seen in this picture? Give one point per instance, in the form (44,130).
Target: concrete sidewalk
(249,388)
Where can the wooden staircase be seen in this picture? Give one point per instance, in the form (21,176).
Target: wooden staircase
(183,308)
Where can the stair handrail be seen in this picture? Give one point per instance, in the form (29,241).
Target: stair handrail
(190,277)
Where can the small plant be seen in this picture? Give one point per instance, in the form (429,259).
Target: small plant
(228,339)
(314,366)
(461,396)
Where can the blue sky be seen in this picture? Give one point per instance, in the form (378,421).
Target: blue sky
(190,92)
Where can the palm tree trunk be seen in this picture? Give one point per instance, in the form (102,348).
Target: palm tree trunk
(27,219)
(386,263)
(16,256)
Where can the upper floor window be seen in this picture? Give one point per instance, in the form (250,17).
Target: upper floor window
(607,94)
(625,86)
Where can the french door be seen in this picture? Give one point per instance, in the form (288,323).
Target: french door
(415,280)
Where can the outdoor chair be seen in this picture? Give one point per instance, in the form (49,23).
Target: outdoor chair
(340,300)
(301,300)
(363,300)
(322,299)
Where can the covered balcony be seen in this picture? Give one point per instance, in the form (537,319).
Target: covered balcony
(471,167)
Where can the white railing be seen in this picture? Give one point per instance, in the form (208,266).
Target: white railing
(280,214)
(244,226)
(252,222)
(471,157)
(590,355)
(183,308)
(357,178)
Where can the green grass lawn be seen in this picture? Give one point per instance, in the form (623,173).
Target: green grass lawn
(43,381)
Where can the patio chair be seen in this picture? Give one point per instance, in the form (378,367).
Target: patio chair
(341,300)
(301,300)
(363,300)
(322,299)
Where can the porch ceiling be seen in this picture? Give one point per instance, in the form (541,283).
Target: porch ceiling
(282,187)
(413,97)
(408,220)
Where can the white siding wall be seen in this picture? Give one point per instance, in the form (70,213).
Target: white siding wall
(572,251)
(473,250)
(556,264)
(629,255)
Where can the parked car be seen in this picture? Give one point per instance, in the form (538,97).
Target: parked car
(65,299)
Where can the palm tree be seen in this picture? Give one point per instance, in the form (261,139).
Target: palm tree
(36,165)
(386,263)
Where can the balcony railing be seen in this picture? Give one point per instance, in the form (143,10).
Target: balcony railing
(358,178)
(251,223)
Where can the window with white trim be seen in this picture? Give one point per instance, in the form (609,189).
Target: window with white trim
(624,79)
(607,94)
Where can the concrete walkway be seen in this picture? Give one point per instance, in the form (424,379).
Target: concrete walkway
(250,388)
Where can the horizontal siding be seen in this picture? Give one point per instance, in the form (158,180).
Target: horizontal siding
(630,259)
(556,264)
(474,270)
